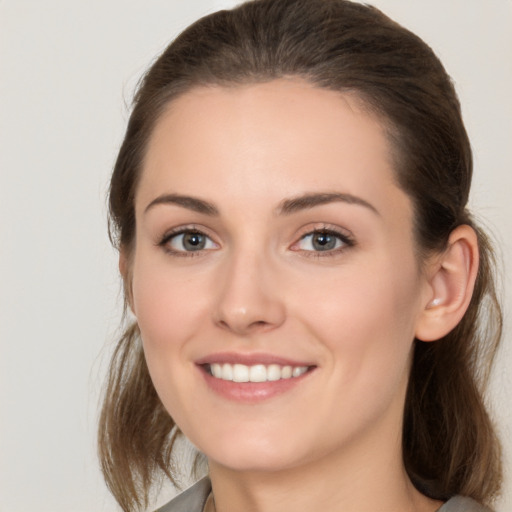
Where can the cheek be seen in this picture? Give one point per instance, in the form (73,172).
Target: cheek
(366,319)
(367,329)
(166,303)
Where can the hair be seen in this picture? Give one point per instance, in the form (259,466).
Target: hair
(449,444)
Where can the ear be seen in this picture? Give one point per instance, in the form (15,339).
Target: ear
(124,269)
(451,281)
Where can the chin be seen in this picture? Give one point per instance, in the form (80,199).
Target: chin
(254,462)
(252,455)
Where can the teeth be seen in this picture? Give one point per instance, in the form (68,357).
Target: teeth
(227,372)
(298,371)
(240,373)
(286,372)
(255,373)
(274,372)
(216,370)
(258,373)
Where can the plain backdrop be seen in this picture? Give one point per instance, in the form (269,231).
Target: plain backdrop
(67,72)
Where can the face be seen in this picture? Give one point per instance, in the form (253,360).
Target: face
(274,277)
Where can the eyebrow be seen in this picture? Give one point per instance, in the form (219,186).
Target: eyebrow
(191,203)
(287,207)
(307,201)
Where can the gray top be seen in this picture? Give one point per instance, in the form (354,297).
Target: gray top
(194,498)
(191,500)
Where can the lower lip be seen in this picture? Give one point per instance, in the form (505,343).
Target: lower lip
(251,392)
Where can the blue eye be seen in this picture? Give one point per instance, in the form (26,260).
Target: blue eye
(322,241)
(188,241)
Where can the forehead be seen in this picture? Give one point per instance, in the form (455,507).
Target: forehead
(260,139)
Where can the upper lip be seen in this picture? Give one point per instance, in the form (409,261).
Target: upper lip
(250,359)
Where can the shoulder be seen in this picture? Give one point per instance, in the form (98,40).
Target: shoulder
(463,504)
(191,500)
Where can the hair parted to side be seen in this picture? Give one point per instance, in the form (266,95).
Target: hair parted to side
(449,443)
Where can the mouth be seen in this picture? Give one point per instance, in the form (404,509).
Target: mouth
(254,373)
(252,378)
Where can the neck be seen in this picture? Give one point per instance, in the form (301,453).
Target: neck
(294,489)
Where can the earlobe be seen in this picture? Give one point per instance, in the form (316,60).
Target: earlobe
(452,281)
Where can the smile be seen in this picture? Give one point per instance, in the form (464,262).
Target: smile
(254,373)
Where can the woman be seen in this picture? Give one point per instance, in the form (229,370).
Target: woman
(315,306)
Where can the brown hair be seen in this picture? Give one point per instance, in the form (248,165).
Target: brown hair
(449,444)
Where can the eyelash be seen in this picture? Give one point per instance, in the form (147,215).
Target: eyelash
(346,240)
(174,233)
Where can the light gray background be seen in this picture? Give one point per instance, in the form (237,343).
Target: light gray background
(67,72)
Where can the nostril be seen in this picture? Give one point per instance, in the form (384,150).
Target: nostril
(241,325)
(248,313)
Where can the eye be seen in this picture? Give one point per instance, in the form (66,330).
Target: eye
(188,241)
(322,241)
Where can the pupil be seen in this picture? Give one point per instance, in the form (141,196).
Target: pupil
(323,242)
(194,241)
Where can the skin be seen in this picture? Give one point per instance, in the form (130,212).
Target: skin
(259,286)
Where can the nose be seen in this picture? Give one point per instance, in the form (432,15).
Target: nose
(249,299)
